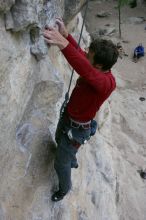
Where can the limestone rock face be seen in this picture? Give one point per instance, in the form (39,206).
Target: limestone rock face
(5,5)
(71,8)
(31,90)
(35,15)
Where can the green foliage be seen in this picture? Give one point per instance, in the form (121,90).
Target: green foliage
(121,3)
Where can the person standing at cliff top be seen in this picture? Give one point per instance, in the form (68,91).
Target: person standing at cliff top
(93,87)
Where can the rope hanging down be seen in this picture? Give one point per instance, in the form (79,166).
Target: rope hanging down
(67,94)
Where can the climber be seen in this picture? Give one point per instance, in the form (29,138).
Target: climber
(93,87)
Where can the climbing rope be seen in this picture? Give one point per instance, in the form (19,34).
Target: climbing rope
(67,94)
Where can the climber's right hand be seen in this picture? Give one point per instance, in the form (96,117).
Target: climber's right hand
(62,29)
(53,37)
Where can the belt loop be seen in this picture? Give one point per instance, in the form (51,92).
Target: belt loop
(84,125)
(74,125)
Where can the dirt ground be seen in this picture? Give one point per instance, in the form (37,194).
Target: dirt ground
(131,33)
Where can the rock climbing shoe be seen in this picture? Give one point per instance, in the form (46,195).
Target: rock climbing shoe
(74,166)
(57,196)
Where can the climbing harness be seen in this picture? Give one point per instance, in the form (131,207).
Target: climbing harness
(67,94)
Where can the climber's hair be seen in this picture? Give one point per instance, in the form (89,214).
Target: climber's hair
(106,53)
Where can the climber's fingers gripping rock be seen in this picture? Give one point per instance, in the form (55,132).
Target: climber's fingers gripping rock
(52,36)
(62,29)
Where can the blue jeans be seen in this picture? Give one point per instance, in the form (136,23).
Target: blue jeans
(66,151)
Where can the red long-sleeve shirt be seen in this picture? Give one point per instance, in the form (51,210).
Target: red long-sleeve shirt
(93,86)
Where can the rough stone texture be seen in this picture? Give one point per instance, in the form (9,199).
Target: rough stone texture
(105,31)
(136,20)
(129,145)
(5,5)
(35,15)
(24,13)
(103,14)
(72,8)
